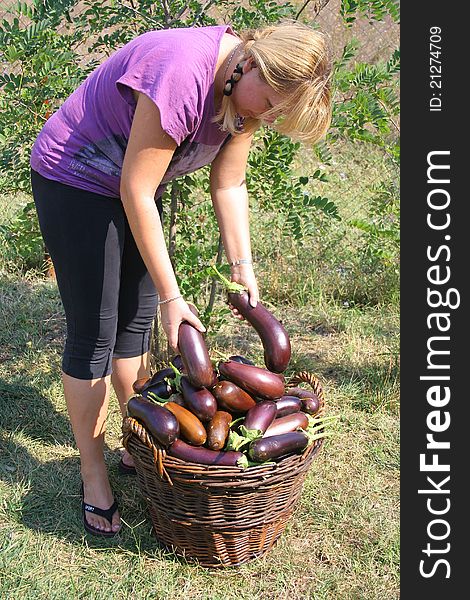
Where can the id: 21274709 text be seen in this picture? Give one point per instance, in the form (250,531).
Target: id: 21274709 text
(435,69)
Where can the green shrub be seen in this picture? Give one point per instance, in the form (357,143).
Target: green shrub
(304,231)
(21,240)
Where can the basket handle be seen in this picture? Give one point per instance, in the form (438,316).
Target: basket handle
(132,427)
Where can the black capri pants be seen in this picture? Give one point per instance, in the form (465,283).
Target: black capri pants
(108,295)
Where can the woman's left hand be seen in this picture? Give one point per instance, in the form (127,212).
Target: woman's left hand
(245,275)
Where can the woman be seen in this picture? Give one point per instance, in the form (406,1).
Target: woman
(164,105)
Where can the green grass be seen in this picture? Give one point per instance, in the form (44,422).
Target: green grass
(342,542)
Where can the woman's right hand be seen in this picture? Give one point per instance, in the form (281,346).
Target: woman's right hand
(172,314)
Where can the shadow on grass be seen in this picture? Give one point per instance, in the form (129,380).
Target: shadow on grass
(45,494)
(23,408)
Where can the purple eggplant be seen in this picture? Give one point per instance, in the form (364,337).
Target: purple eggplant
(277,446)
(198,400)
(232,398)
(292,422)
(177,362)
(139,384)
(163,389)
(311,405)
(242,360)
(260,416)
(299,392)
(165,372)
(195,356)
(145,382)
(273,335)
(310,400)
(287,405)
(256,381)
(204,456)
(159,421)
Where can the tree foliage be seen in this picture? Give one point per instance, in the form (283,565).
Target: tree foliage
(49,46)
(367,100)
(43,69)
(374,10)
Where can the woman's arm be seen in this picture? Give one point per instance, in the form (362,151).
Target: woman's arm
(148,154)
(230,200)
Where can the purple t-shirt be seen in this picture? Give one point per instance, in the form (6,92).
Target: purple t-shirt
(84,142)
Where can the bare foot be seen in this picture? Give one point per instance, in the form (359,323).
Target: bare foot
(127,459)
(97,492)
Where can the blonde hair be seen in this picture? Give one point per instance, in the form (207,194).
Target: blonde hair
(295,60)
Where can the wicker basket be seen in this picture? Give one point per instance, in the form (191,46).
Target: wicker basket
(218,516)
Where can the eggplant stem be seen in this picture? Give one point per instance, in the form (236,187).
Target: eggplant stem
(178,375)
(255,463)
(313,420)
(321,421)
(155,398)
(243,462)
(318,436)
(176,370)
(231,286)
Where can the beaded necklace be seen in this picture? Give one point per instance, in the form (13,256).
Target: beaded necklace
(230,59)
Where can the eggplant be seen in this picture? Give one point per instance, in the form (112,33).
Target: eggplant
(218,430)
(311,405)
(310,400)
(273,335)
(198,400)
(195,356)
(191,427)
(177,362)
(256,422)
(254,380)
(232,398)
(159,421)
(261,416)
(160,375)
(144,382)
(204,456)
(163,389)
(139,384)
(292,422)
(241,359)
(276,446)
(287,405)
(299,392)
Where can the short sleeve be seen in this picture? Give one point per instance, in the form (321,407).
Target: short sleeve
(175,79)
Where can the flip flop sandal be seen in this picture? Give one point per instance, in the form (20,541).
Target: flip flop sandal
(107,514)
(126,469)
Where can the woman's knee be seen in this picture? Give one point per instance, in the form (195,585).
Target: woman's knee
(87,358)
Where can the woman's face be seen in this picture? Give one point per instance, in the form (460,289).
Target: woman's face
(251,96)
